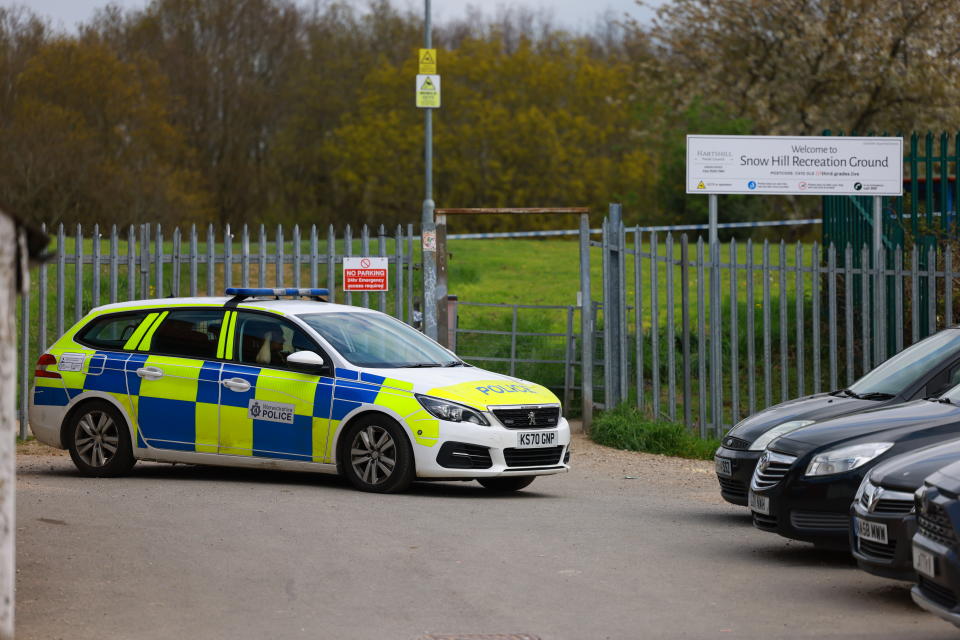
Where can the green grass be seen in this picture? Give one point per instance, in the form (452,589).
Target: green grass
(627,428)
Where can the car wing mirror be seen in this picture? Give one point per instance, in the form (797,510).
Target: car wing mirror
(306,361)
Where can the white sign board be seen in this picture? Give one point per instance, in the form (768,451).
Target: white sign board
(804,165)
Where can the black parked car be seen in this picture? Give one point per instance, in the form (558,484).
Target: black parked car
(805,482)
(936,545)
(882,517)
(924,369)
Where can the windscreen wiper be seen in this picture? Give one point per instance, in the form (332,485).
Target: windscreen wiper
(848,392)
(455,363)
(876,395)
(420,365)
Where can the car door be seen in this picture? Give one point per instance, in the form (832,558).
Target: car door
(268,407)
(174,381)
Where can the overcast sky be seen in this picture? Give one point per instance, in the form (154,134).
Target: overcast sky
(572,14)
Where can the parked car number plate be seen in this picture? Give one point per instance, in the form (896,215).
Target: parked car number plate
(760,504)
(924,562)
(724,466)
(536,439)
(872,531)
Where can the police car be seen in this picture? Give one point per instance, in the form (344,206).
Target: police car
(279,378)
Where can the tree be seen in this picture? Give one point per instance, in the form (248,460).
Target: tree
(801,66)
(90,140)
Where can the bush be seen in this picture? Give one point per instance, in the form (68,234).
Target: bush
(627,428)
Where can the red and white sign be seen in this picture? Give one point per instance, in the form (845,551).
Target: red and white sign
(365,274)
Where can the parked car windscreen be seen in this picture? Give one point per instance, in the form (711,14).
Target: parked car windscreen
(378,341)
(905,368)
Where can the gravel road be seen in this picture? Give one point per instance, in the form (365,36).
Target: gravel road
(627,545)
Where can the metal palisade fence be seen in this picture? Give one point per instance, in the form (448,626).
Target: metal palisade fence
(788,321)
(91,267)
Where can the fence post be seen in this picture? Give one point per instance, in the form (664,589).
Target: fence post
(227,256)
(586,324)
(638,312)
(654,325)
(685,320)
(452,312)
(95,258)
(332,263)
(609,310)
(568,361)
(78,276)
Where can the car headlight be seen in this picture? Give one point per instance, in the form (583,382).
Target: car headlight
(781,429)
(845,458)
(451,411)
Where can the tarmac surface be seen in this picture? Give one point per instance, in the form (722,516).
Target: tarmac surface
(626,545)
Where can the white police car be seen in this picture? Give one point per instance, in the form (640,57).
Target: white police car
(266,378)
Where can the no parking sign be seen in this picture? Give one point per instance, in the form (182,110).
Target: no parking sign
(365,274)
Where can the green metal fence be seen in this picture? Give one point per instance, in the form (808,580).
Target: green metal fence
(925,217)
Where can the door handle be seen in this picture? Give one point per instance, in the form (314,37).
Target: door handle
(150,373)
(237,384)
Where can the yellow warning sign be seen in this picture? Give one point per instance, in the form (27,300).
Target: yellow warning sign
(428,61)
(701,185)
(428,91)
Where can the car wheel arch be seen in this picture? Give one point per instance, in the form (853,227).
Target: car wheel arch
(88,399)
(362,413)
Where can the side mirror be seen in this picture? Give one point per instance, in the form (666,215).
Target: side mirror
(306,360)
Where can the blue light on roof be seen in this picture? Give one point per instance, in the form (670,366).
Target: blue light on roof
(253,292)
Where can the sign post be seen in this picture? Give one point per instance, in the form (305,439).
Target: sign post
(428,231)
(785,165)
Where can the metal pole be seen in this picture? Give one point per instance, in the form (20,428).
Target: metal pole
(586,324)
(715,321)
(878,280)
(428,231)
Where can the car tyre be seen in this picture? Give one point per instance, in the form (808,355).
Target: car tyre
(376,455)
(98,439)
(506,485)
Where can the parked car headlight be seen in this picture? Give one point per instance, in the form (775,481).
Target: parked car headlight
(781,429)
(451,411)
(845,458)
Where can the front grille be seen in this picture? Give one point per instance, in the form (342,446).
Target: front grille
(936,525)
(765,522)
(459,455)
(771,469)
(938,593)
(737,444)
(733,487)
(886,505)
(878,550)
(528,417)
(544,457)
(819,520)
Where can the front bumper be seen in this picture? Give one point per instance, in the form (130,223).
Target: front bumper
(938,594)
(892,560)
(487,452)
(811,509)
(938,591)
(734,488)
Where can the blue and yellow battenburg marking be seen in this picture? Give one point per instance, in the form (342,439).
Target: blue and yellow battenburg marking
(189,409)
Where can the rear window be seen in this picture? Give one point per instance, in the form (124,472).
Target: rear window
(111,332)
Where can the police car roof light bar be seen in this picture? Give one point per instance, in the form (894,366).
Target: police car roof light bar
(242,293)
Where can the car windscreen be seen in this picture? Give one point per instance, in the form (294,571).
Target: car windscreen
(378,341)
(899,372)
